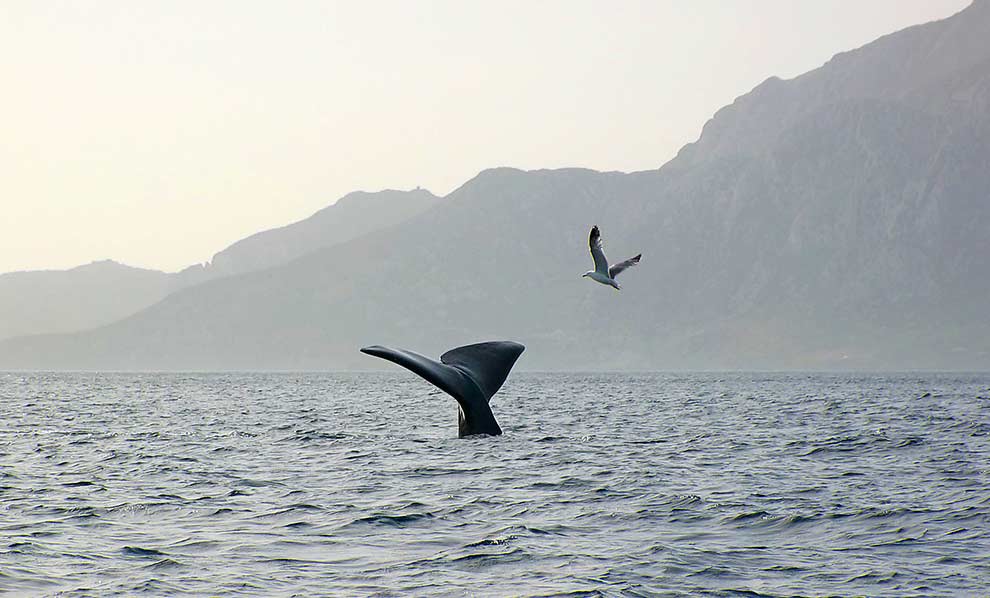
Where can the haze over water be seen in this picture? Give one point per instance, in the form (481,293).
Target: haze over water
(603,484)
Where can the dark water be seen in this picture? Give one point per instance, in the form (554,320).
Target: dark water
(638,485)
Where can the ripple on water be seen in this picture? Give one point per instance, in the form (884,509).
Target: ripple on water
(635,485)
(140,552)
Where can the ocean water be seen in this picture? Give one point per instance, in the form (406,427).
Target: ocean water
(603,484)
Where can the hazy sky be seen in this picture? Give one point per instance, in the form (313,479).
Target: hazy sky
(156,133)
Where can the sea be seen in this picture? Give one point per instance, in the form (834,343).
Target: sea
(603,484)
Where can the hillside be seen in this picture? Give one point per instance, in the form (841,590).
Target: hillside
(57,301)
(49,301)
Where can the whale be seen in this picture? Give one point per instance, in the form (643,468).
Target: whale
(472,374)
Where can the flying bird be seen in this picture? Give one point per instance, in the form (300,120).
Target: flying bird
(604,273)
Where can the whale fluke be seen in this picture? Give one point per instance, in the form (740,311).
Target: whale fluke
(488,364)
(471,374)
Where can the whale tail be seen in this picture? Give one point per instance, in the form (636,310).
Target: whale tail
(471,374)
(487,364)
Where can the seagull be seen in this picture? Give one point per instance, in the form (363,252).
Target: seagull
(604,273)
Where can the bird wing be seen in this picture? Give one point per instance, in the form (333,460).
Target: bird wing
(597,253)
(615,269)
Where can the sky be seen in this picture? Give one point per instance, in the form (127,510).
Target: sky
(157,133)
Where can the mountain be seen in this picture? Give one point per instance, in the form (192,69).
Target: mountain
(352,216)
(48,301)
(835,220)
(54,301)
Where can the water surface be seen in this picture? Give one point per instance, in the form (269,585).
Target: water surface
(603,484)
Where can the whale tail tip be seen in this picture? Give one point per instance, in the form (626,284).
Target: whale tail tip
(487,363)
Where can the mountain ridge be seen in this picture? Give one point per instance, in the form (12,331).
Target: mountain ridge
(803,230)
(104,291)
